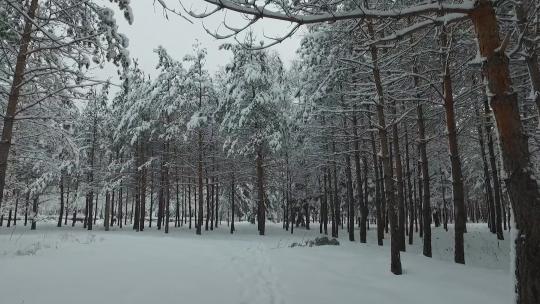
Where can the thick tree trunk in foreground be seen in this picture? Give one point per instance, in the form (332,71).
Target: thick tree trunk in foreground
(15,91)
(521,184)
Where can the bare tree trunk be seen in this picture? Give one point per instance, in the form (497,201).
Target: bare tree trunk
(426,196)
(15,91)
(260,187)
(200,176)
(107,210)
(16,209)
(487,178)
(522,185)
(67,205)
(142,212)
(208,208)
(232,202)
(348,173)
(395,265)
(399,176)
(61,201)
(495,174)
(360,191)
(412,201)
(34,213)
(455,161)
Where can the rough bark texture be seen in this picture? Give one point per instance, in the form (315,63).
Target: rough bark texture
(520,182)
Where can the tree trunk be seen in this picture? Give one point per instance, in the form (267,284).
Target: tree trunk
(521,184)
(426,196)
(34,213)
(399,176)
(348,173)
(61,201)
(395,265)
(232,203)
(15,91)
(142,208)
(495,174)
(455,161)
(200,177)
(260,188)
(107,210)
(360,191)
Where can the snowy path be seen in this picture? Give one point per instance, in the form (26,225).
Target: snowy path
(56,266)
(254,267)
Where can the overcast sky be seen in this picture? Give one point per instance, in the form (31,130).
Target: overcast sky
(151,29)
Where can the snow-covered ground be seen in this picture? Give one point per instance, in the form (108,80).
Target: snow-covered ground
(71,265)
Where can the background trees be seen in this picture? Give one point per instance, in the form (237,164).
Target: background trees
(384,118)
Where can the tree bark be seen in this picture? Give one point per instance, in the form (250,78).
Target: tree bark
(61,201)
(521,184)
(15,91)
(360,191)
(395,265)
(494,173)
(260,187)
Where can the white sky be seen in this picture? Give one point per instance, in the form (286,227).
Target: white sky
(151,29)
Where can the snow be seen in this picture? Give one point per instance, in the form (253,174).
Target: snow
(72,265)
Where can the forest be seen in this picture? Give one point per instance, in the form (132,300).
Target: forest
(396,157)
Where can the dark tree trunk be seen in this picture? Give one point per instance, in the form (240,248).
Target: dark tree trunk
(399,176)
(260,187)
(27,203)
(426,197)
(494,173)
(395,244)
(200,173)
(16,210)
(106,220)
(207,203)
(487,178)
(232,202)
(61,201)
(34,213)
(348,173)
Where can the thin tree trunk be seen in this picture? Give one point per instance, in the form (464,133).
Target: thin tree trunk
(495,174)
(395,265)
(106,221)
(61,201)
(232,202)
(455,161)
(260,187)
(426,197)
(34,213)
